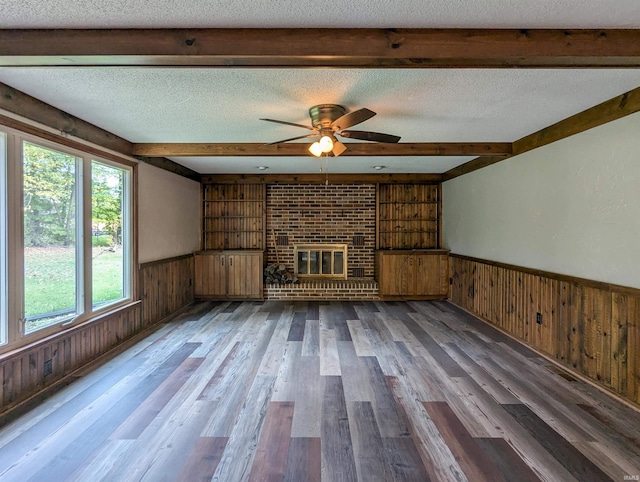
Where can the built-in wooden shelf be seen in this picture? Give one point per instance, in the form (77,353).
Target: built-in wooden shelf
(408,216)
(233,216)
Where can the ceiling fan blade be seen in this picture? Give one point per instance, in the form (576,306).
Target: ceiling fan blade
(290,124)
(338,148)
(352,118)
(291,139)
(370,136)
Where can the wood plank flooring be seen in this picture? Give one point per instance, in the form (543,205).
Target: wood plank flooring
(325,391)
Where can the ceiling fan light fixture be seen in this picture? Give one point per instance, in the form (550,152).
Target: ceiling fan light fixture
(326,144)
(315,149)
(331,120)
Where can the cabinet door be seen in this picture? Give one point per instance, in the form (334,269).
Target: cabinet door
(432,275)
(244,275)
(210,273)
(397,274)
(388,285)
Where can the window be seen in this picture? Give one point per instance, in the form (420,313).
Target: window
(110,258)
(52,236)
(66,236)
(3,237)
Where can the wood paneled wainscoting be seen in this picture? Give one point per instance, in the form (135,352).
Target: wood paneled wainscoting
(589,326)
(23,370)
(166,286)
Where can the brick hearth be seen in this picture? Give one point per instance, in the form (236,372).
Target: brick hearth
(365,289)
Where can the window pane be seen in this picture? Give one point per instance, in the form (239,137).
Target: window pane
(3,238)
(50,236)
(302,262)
(338,262)
(108,234)
(326,262)
(314,262)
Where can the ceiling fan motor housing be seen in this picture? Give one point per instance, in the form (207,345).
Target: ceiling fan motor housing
(322,115)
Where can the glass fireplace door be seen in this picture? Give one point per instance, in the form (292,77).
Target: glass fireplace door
(321,261)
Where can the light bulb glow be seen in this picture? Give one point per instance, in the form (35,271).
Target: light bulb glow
(315,149)
(326,144)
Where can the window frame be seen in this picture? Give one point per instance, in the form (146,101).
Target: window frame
(127,233)
(4,213)
(80,218)
(13,275)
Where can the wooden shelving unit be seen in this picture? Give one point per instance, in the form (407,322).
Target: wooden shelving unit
(233,216)
(408,216)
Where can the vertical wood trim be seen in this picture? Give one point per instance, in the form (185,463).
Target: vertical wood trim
(439,216)
(135,274)
(264,218)
(591,327)
(377,216)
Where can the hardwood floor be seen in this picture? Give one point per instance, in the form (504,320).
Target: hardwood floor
(332,391)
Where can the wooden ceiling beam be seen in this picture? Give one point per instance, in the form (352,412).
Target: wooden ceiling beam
(608,111)
(17,102)
(301,149)
(299,47)
(70,127)
(415,178)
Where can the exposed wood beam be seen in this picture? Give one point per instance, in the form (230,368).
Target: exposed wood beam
(301,149)
(322,178)
(170,166)
(24,105)
(16,102)
(63,140)
(349,47)
(608,111)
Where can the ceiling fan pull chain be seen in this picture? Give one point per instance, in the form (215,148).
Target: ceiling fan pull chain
(326,168)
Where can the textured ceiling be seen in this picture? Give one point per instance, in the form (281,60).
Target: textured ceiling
(331,13)
(224,105)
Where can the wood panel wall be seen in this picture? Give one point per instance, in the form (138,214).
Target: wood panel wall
(166,286)
(409,216)
(591,327)
(23,370)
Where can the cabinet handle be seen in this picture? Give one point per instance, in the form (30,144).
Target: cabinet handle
(222,261)
(230,261)
(419,261)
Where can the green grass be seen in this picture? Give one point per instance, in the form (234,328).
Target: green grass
(104,240)
(107,276)
(50,280)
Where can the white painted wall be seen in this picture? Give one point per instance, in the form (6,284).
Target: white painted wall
(168,214)
(572,207)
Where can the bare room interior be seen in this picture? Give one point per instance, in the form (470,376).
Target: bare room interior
(246,241)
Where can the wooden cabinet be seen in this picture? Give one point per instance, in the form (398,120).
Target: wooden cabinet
(228,275)
(416,274)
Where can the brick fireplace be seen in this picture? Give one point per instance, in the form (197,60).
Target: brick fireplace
(304,214)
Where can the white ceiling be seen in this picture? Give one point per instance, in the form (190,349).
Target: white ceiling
(224,104)
(311,13)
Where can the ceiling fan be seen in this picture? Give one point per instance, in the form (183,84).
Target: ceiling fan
(331,120)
